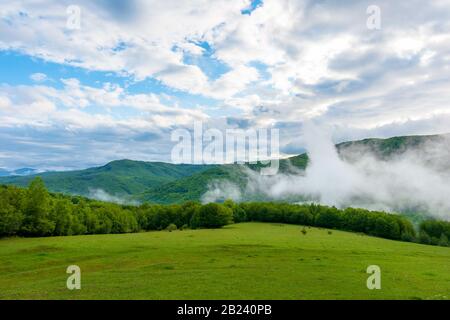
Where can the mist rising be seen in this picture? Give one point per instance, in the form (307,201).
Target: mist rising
(414,180)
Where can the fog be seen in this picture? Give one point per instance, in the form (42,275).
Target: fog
(221,190)
(102,195)
(417,179)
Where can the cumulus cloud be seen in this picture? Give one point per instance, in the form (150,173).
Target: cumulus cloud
(46,104)
(44,127)
(287,62)
(135,38)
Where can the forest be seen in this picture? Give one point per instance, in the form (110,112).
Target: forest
(34,212)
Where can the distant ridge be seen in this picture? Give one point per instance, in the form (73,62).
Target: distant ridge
(18,172)
(162,182)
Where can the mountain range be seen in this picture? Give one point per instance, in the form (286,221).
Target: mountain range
(18,172)
(160,182)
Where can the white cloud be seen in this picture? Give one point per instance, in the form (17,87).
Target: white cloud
(234,81)
(44,105)
(298,40)
(4,102)
(287,62)
(38,77)
(135,38)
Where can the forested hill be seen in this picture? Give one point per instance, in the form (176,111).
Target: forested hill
(193,187)
(121,177)
(171,183)
(34,212)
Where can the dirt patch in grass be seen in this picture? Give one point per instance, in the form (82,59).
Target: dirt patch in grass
(41,250)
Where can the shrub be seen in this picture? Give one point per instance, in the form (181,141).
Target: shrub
(239,214)
(408,237)
(436,228)
(10,220)
(212,215)
(443,241)
(329,218)
(424,238)
(171,227)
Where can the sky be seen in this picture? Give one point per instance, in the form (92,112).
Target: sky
(86,82)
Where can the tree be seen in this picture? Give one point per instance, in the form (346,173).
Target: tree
(188,209)
(443,241)
(10,220)
(80,213)
(239,214)
(104,224)
(424,238)
(212,215)
(328,218)
(37,209)
(298,215)
(62,216)
(436,228)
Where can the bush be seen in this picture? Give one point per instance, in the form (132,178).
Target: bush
(424,238)
(212,215)
(171,227)
(443,241)
(10,220)
(407,237)
(329,218)
(436,229)
(239,214)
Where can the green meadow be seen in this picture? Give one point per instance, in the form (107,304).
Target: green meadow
(239,261)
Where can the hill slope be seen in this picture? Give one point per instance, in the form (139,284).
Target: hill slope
(168,183)
(194,186)
(243,261)
(122,177)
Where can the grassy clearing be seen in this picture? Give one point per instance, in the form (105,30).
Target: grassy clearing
(240,261)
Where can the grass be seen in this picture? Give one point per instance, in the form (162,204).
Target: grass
(241,261)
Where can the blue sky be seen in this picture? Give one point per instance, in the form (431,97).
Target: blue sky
(134,71)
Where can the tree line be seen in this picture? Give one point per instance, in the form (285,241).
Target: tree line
(34,212)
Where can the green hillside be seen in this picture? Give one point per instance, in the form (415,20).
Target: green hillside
(193,187)
(242,261)
(170,183)
(386,148)
(122,177)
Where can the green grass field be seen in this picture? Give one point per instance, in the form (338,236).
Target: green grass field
(240,261)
